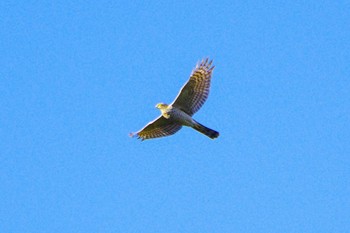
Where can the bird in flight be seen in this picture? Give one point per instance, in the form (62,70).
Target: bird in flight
(179,113)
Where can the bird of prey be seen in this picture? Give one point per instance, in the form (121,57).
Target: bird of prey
(179,113)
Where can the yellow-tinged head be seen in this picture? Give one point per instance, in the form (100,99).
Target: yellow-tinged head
(161,106)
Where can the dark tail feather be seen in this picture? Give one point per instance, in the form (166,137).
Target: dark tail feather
(206,131)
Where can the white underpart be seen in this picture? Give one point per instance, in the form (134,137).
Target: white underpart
(178,115)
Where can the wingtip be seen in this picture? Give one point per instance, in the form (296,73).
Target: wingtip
(136,135)
(211,69)
(205,62)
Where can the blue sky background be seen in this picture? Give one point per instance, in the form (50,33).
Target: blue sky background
(77,77)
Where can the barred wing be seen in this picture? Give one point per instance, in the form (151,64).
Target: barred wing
(160,127)
(195,92)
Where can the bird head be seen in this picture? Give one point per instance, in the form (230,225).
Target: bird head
(161,106)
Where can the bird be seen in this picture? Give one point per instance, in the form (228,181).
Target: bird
(179,113)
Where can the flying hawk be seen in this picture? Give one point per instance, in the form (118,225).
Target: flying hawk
(179,113)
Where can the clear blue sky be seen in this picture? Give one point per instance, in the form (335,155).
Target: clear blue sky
(76,77)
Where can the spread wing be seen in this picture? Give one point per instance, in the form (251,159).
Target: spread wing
(160,127)
(195,92)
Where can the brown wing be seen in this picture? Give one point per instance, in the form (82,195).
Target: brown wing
(195,92)
(160,127)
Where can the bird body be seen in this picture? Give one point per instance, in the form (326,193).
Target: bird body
(179,113)
(175,114)
(172,113)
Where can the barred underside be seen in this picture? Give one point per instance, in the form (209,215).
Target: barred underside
(160,127)
(196,91)
(180,116)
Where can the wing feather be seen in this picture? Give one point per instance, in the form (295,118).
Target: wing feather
(195,92)
(160,127)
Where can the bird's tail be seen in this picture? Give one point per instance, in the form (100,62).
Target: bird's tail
(206,131)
